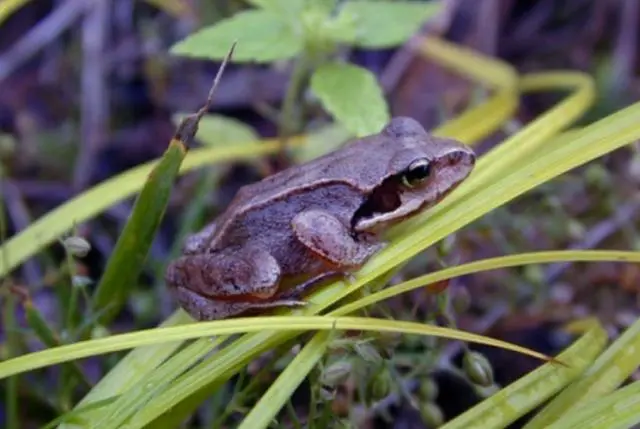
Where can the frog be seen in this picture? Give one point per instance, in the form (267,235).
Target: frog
(287,233)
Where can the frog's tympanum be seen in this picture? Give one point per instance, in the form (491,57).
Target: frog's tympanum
(282,235)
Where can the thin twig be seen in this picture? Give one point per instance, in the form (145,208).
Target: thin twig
(17,211)
(596,235)
(94,94)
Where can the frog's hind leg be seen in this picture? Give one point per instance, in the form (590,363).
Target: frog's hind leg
(202,308)
(326,236)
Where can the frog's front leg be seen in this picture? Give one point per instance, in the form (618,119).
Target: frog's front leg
(225,283)
(330,239)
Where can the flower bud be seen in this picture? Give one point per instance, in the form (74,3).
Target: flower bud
(478,369)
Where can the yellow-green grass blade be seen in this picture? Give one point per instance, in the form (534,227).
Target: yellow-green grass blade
(618,410)
(129,371)
(517,260)
(8,7)
(84,349)
(610,370)
(521,396)
(498,107)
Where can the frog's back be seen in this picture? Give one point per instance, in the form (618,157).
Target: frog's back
(357,164)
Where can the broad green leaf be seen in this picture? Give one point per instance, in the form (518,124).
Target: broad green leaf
(218,130)
(386,24)
(262,37)
(352,95)
(279,6)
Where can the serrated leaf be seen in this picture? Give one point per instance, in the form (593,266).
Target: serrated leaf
(261,34)
(280,6)
(352,95)
(385,24)
(218,130)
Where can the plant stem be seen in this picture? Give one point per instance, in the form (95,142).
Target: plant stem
(292,110)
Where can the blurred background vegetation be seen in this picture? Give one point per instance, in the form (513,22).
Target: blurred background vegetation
(89,90)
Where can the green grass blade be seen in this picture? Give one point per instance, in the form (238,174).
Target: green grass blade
(133,244)
(611,368)
(520,397)
(619,410)
(130,371)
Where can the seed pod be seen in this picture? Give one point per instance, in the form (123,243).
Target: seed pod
(431,414)
(428,390)
(77,246)
(380,386)
(478,369)
(336,373)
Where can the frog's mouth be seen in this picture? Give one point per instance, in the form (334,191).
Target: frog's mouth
(392,201)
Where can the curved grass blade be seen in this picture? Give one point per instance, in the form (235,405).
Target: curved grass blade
(521,396)
(134,242)
(610,370)
(84,349)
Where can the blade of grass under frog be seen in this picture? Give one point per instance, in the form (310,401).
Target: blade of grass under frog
(135,240)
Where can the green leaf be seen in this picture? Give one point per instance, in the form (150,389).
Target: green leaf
(385,24)
(261,34)
(320,142)
(134,242)
(352,95)
(218,130)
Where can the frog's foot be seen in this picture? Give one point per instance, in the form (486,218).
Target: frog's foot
(203,308)
(330,239)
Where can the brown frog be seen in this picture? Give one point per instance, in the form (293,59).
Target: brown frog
(286,233)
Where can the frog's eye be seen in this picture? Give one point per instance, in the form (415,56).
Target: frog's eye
(418,172)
